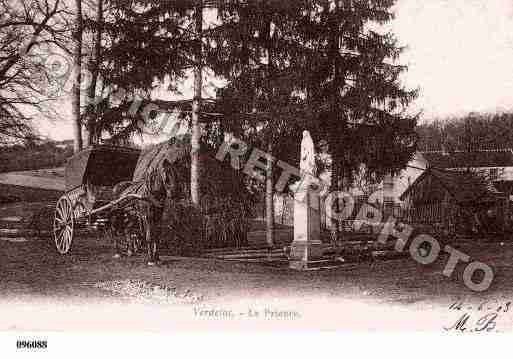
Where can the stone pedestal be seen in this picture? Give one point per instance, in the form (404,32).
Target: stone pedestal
(307,245)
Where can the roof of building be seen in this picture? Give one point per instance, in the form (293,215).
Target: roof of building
(463,187)
(466,159)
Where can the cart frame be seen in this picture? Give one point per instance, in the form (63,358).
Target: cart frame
(90,178)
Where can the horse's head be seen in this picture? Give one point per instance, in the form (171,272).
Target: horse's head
(174,170)
(169,179)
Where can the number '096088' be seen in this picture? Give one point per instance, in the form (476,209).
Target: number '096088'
(31,344)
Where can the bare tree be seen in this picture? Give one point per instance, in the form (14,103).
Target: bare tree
(91,133)
(28,29)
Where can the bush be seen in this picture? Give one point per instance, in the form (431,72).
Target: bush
(222,219)
(183,230)
(188,231)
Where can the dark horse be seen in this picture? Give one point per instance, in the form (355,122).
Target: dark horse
(159,175)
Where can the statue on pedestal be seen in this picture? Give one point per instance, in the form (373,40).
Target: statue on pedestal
(306,245)
(307,164)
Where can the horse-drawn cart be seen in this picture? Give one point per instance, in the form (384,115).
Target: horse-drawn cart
(89,200)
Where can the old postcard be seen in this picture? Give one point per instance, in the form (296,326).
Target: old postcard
(261,165)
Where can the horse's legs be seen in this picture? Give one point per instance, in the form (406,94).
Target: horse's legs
(158,214)
(129,243)
(128,233)
(152,223)
(147,224)
(112,237)
(112,233)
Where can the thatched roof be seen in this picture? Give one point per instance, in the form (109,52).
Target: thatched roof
(174,150)
(219,181)
(465,188)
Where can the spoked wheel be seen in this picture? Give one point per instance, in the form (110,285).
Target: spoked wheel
(63,225)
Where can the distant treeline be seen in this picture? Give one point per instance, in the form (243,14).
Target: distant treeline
(33,156)
(475,131)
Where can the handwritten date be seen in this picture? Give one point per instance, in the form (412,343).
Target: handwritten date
(486,306)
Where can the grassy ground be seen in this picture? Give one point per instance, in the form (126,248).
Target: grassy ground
(34,268)
(364,295)
(13,193)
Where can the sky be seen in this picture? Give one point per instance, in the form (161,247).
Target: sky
(459,54)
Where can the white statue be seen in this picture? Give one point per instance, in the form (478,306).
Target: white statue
(307,164)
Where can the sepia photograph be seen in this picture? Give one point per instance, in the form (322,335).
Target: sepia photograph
(255,165)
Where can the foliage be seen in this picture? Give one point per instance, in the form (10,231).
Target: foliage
(310,64)
(144,44)
(225,207)
(353,83)
(474,131)
(323,66)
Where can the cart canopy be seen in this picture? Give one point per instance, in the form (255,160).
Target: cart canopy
(101,165)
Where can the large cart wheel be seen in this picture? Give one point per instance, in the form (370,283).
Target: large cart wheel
(63,225)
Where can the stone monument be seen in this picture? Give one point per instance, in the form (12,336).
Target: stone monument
(307,245)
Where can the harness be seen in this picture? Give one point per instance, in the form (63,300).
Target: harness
(142,188)
(144,185)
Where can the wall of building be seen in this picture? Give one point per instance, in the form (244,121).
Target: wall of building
(407,176)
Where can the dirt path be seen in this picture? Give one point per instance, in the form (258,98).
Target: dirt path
(26,180)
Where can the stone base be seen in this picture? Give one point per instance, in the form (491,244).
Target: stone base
(306,251)
(315,265)
(303,253)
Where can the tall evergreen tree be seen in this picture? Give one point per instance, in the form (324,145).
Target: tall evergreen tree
(315,64)
(164,41)
(143,44)
(325,67)
(254,49)
(352,79)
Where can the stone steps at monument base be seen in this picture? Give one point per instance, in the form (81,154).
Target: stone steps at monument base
(278,258)
(348,248)
(246,254)
(282,238)
(322,264)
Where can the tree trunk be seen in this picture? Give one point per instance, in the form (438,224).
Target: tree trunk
(196,107)
(77,67)
(269,201)
(91,131)
(339,84)
(340,187)
(269,188)
(337,206)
